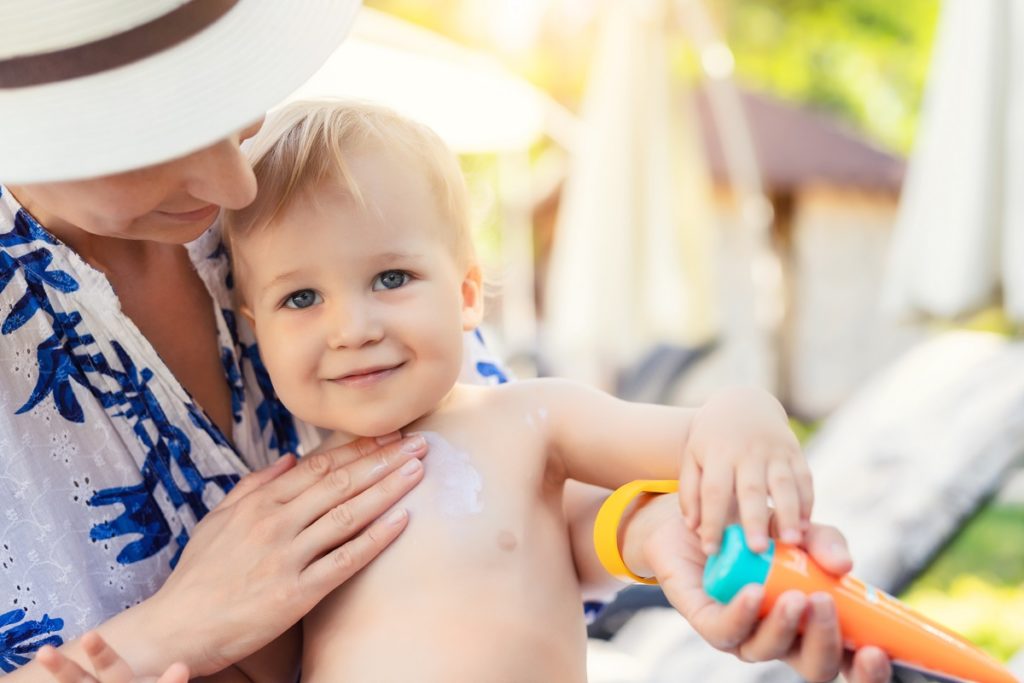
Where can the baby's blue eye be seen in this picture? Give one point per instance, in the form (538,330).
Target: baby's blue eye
(390,279)
(304,298)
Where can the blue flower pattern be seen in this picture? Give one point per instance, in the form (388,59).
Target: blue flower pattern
(73,367)
(19,639)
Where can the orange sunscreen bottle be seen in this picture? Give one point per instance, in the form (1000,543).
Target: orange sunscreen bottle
(867,616)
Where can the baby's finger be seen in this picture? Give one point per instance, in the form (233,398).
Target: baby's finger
(107,664)
(60,667)
(785,495)
(689,492)
(716,492)
(752,498)
(804,484)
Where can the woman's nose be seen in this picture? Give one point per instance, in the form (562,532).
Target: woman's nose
(221,175)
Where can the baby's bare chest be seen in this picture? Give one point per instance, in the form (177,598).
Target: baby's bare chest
(482,492)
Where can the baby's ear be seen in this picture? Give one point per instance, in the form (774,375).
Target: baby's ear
(472,299)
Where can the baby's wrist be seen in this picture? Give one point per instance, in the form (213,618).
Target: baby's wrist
(648,513)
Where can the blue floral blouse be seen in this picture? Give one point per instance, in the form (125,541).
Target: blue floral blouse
(106,462)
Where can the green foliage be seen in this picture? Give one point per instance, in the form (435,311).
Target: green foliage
(976,585)
(989,547)
(865,61)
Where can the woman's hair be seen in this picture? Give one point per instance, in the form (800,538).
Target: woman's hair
(307,142)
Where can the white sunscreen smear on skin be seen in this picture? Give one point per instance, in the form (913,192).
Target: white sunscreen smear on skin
(537,419)
(457,483)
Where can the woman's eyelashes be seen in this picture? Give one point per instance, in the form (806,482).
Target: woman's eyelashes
(304,298)
(391,279)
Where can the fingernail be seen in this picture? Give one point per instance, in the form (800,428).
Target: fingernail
(411,467)
(839,552)
(758,542)
(822,606)
(414,444)
(793,612)
(388,438)
(710,549)
(396,516)
(753,594)
(791,536)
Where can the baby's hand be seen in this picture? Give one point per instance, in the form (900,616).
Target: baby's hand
(741,450)
(108,665)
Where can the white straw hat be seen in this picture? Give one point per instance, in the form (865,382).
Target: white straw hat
(94,87)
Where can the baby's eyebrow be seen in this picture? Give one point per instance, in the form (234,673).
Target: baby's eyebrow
(390,256)
(282,277)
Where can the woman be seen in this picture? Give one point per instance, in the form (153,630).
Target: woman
(133,400)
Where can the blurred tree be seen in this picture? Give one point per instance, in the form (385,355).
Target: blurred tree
(864,61)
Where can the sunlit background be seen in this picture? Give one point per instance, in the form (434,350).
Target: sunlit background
(822,198)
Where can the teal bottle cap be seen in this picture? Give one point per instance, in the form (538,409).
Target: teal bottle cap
(735,565)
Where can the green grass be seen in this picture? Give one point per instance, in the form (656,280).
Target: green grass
(976,585)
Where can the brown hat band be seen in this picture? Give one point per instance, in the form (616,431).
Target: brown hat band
(113,51)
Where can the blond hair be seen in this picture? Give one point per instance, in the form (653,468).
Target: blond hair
(307,142)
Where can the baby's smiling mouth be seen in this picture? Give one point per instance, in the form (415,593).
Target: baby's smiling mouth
(367,376)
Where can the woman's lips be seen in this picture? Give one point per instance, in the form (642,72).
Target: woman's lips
(366,378)
(190,216)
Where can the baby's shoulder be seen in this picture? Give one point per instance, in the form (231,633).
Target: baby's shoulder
(534,392)
(541,399)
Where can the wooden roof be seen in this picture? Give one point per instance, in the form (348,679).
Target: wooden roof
(796,146)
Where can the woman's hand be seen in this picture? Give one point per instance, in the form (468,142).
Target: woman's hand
(107,665)
(281,540)
(672,552)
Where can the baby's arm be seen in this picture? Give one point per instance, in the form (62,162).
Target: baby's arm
(736,448)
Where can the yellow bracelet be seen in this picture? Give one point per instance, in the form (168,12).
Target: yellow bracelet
(606,524)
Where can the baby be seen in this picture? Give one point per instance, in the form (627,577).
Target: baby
(356,268)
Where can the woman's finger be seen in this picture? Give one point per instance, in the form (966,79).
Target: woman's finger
(727,627)
(339,565)
(107,664)
(340,487)
(60,667)
(777,632)
(869,665)
(312,468)
(253,481)
(820,656)
(339,524)
(827,546)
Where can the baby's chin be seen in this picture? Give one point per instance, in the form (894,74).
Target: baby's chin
(374,425)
